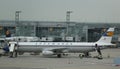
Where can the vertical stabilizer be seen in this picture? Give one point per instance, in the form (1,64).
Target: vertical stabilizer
(107,36)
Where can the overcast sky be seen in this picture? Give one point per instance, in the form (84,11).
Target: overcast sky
(55,10)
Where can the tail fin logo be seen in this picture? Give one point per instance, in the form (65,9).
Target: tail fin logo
(108,34)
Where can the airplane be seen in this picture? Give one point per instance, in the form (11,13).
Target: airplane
(59,48)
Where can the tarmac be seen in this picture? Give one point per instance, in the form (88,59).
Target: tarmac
(72,61)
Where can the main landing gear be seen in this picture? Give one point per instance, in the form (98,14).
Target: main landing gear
(59,55)
(86,54)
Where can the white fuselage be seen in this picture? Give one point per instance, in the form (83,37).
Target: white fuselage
(69,46)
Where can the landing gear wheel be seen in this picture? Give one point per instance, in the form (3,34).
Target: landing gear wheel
(81,56)
(100,57)
(59,55)
(87,54)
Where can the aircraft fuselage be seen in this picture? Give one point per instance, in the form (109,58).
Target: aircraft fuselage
(69,46)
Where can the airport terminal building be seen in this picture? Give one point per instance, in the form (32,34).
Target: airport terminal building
(74,31)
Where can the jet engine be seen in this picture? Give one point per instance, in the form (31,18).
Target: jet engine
(47,53)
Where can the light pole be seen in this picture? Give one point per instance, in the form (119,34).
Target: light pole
(68,21)
(17,22)
(67,32)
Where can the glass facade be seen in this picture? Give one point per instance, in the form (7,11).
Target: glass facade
(80,31)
